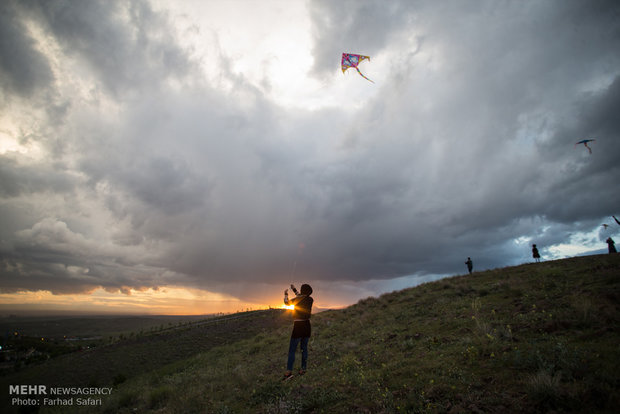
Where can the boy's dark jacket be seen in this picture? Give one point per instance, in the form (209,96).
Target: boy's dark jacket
(303,307)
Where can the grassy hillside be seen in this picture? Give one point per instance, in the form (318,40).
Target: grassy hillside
(58,327)
(140,351)
(532,338)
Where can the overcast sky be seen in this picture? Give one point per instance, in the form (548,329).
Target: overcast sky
(216,147)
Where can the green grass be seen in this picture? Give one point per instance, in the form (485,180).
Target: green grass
(116,363)
(57,327)
(531,338)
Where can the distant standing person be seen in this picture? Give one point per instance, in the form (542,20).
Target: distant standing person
(611,245)
(470,264)
(302,303)
(535,253)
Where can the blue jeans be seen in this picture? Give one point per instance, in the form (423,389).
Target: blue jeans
(291,352)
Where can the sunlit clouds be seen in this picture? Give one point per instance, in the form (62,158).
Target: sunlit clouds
(165,301)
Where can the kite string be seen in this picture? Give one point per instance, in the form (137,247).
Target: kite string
(299,250)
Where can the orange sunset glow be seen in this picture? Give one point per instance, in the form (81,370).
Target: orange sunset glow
(164,301)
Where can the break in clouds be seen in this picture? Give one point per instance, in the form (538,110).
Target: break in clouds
(130,158)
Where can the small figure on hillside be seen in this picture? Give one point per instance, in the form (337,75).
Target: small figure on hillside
(470,264)
(535,253)
(611,245)
(302,330)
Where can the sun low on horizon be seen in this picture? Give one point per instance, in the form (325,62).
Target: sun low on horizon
(171,300)
(162,301)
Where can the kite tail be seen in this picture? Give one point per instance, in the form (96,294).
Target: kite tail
(358,71)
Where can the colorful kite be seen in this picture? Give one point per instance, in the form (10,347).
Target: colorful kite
(350,60)
(585,142)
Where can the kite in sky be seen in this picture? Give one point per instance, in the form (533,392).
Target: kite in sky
(585,142)
(350,60)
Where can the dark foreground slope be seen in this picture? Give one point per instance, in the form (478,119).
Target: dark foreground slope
(136,354)
(532,338)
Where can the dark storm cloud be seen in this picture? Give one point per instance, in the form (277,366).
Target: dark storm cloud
(52,256)
(580,179)
(507,77)
(23,69)
(16,179)
(463,148)
(124,43)
(49,236)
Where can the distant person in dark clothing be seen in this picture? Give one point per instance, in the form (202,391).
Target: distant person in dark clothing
(611,245)
(302,303)
(470,264)
(535,253)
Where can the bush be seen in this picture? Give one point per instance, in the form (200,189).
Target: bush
(119,379)
(159,396)
(545,390)
(269,392)
(320,398)
(127,399)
